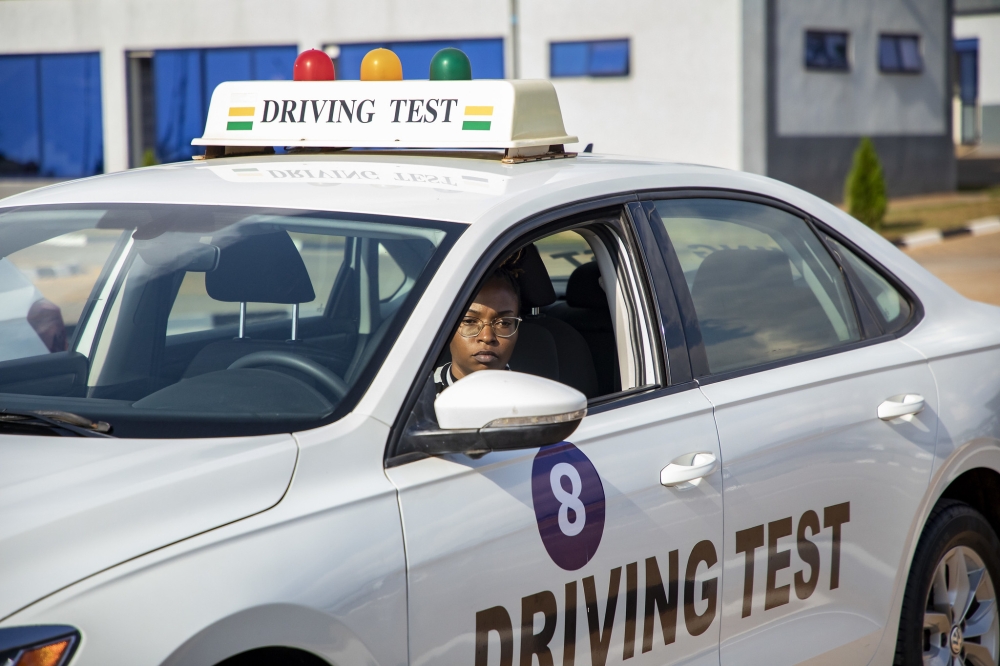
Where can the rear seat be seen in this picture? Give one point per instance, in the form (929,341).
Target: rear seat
(546,346)
(586,310)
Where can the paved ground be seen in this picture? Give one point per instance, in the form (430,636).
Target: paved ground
(971,265)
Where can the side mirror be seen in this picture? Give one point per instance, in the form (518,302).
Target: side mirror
(500,410)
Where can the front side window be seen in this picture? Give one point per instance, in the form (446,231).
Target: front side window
(569,307)
(189,321)
(763,286)
(826,50)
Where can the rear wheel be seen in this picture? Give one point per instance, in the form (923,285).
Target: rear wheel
(949,615)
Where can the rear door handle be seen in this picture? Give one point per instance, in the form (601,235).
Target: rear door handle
(687,468)
(899,406)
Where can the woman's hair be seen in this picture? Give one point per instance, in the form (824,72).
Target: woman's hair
(508,272)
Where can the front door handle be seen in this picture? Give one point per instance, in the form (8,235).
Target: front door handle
(689,467)
(899,406)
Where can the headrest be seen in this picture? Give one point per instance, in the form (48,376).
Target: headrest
(259,268)
(534,281)
(584,288)
(759,271)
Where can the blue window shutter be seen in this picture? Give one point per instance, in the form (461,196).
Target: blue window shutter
(20,116)
(568,59)
(71,123)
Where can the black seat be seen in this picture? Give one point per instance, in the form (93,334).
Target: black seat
(750,311)
(586,310)
(259,266)
(546,346)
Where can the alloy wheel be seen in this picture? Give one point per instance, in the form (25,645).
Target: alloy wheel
(961,624)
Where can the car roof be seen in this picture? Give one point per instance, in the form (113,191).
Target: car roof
(446,187)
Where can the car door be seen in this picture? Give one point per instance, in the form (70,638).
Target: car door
(498,573)
(820,492)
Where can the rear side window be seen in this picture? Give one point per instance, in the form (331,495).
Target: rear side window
(892,309)
(764,287)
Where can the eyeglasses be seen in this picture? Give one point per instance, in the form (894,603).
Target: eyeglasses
(503,327)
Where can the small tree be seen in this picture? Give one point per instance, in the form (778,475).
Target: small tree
(864,191)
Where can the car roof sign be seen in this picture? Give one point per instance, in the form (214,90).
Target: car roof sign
(522,118)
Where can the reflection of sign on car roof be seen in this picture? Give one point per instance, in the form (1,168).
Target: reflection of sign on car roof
(364,173)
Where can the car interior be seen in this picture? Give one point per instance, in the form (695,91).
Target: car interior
(579,329)
(271,334)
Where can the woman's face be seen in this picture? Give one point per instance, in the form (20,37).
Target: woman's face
(485,351)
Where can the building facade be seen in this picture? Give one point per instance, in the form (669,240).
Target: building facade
(784,88)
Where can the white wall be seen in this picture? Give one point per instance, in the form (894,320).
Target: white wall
(682,99)
(114,27)
(987,28)
(681,102)
(863,100)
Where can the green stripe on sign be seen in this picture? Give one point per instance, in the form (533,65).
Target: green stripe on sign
(475,124)
(240,125)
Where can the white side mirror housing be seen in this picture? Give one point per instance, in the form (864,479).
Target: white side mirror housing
(509,410)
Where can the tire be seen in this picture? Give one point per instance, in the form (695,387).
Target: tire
(940,623)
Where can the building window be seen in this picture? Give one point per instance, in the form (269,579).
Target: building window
(50,116)
(826,51)
(899,54)
(606,57)
(485,56)
(966,77)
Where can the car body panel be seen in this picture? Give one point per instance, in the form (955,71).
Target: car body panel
(487,551)
(69,510)
(806,438)
(322,571)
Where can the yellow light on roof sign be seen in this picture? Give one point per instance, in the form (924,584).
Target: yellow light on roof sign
(385,114)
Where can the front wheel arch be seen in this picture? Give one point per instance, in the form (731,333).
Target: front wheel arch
(980,489)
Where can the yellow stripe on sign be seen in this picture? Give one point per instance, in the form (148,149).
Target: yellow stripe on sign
(241,110)
(479,110)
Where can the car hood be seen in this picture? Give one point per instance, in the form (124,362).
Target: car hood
(71,507)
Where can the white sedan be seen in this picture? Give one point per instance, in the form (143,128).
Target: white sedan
(738,427)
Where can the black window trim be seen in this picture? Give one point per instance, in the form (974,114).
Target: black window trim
(821,229)
(533,227)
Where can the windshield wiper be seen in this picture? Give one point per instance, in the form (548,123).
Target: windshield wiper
(63,423)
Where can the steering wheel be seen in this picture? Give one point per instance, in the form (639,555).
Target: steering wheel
(292,361)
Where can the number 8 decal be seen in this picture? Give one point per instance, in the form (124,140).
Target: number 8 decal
(569,504)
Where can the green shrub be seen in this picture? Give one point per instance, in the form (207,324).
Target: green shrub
(864,191)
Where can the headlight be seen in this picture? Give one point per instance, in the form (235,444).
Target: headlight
(45,645)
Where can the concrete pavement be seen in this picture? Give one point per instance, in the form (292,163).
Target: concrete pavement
(971,265)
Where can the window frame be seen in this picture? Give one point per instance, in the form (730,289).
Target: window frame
(870,335)
(588,70)
(897,38)
(653,287)
(827,31)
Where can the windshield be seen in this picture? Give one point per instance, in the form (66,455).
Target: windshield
(197,321)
